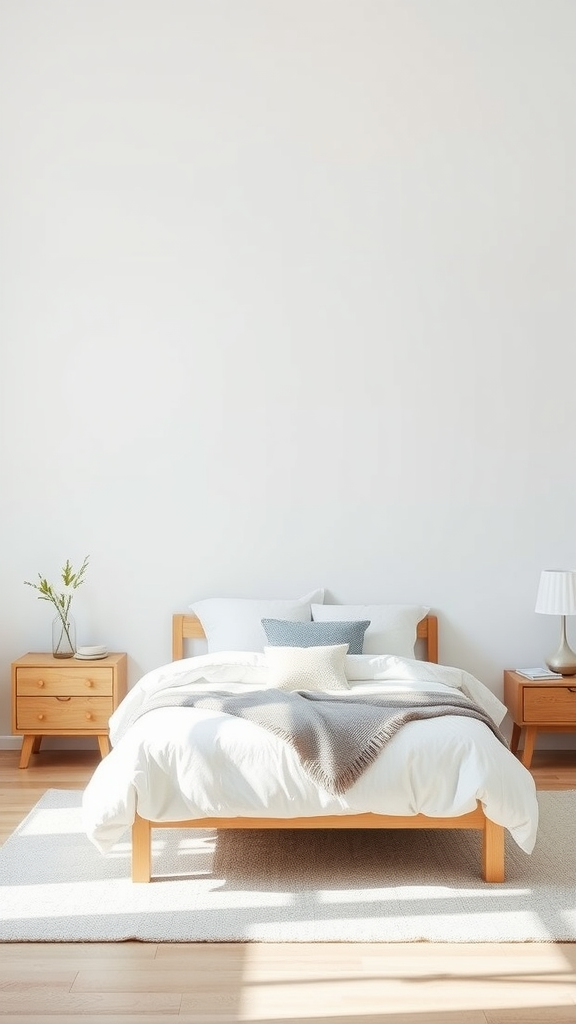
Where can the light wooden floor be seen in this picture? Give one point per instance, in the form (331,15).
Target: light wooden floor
(292,983)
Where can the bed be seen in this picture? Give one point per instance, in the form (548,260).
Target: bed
(156,760)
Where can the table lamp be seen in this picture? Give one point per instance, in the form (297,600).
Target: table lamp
(557,596)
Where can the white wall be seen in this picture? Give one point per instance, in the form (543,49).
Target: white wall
(287,300)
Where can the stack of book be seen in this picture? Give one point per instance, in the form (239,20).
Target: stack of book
(538,673)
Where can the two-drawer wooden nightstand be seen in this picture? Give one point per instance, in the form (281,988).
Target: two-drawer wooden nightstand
(52,697)
(545,704)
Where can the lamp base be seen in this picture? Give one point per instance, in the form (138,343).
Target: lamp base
(564,661)
(556,665)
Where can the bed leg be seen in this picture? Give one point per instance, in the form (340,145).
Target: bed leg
(141,850)
(492,852)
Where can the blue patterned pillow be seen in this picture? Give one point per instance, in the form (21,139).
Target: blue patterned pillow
(283,633)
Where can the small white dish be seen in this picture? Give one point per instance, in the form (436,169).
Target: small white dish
(90,657)
(90,652)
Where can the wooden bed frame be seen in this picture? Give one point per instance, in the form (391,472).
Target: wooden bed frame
(188,627)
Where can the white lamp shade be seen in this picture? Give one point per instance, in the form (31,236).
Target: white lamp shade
(557,592)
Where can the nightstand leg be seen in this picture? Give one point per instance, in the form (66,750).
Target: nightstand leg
(104,744)
(36,744)
(529,740)
(27,748)
(515,738)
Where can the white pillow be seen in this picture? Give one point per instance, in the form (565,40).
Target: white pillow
(235,623)
(307,668)
(392,628)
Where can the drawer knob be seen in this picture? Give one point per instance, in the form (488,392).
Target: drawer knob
(40,682)
(40,717)
(89,682)
(89,716)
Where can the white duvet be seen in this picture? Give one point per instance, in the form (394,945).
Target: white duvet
(178,763)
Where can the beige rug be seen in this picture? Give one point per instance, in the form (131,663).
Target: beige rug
(276,886)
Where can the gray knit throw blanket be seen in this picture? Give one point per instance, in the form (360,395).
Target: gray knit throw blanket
(335,737)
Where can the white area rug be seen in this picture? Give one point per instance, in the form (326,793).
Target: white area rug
(275,886)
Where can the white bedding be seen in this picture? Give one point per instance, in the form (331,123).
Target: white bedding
(179,763)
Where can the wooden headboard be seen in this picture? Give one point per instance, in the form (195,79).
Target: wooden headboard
(189,627)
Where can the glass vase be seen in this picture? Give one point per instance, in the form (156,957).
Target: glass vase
(63,637)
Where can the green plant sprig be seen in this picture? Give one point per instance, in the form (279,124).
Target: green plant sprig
(71,579)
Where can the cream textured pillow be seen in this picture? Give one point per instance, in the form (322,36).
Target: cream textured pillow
(235,624)
(392,628)
(307,668)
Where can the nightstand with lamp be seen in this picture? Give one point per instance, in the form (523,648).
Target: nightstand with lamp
(548,705)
